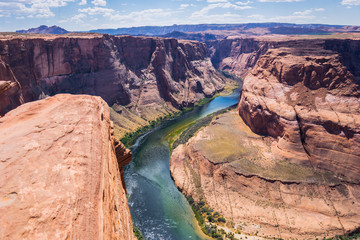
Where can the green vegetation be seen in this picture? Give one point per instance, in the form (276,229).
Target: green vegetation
(194,127)
(130,137)
(138,233)
(208,219)
(232,76)
(350,237)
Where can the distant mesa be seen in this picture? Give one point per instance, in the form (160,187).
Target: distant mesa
(206,32)
(246,28)
(43,29)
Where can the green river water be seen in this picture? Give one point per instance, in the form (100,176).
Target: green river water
(157,207)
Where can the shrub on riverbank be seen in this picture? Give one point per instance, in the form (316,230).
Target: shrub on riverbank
(208,219)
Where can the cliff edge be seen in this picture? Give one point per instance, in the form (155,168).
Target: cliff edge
(60,172)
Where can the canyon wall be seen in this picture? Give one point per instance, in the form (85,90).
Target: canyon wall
(60,172)
(237,56)
(305,96)
(148,76)
(290,166)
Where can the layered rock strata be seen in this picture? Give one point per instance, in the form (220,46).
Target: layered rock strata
(304,96)
(60,172)
(237,56)
(237,174)
(290,166)
(144,76)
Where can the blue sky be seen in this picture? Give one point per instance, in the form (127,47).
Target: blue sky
(92,14)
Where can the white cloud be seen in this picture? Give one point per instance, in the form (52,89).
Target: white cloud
(216,1)
(153,17)
(183,6)
(77,18)
(137,18)
(280,0)
(99,2)
(32,8)
(350,2)
(244,3)
(142,16)
(299,17)
(97,11)
(82,2)
(205,10)
(309,11)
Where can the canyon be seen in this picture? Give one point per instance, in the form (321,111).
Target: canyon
(285,163)
(288,166)
(141,78)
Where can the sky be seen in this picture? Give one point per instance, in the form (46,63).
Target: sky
(82,15)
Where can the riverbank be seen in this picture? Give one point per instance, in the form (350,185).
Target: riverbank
(128,138)
(158,209)
(235,172)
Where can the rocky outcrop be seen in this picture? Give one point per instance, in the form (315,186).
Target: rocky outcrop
(238,174)
(60,172)
(290,166)
(148,76)
(10,96)
(43,29)
(304,95)
(237,56)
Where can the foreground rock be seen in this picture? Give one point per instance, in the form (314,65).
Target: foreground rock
(59,172)
(141,77)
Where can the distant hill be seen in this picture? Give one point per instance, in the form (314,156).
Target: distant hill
(271,28)
(202,37)
(45,30)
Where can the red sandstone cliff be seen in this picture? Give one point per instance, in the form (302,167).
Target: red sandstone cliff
(140,73)
(303,94)
(60,172)
(237,56)
(290,168)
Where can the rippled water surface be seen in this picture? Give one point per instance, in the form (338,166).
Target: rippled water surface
(157,208)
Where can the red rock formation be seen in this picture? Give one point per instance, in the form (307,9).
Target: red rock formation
(303,95)
(137,72)
(10,96)
(237,56)
(299,176)
(238,174)
(59,172)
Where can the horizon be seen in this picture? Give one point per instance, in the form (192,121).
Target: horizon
(85,15)
(160,26)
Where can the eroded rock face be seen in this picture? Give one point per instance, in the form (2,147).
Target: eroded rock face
(238,174)
(59,172)
(237,56)
(10,96)
(137,72)
(290,166)
(304,96)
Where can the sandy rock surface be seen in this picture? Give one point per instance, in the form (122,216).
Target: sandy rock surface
(59,172)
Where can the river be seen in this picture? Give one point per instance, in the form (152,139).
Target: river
(157,207)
